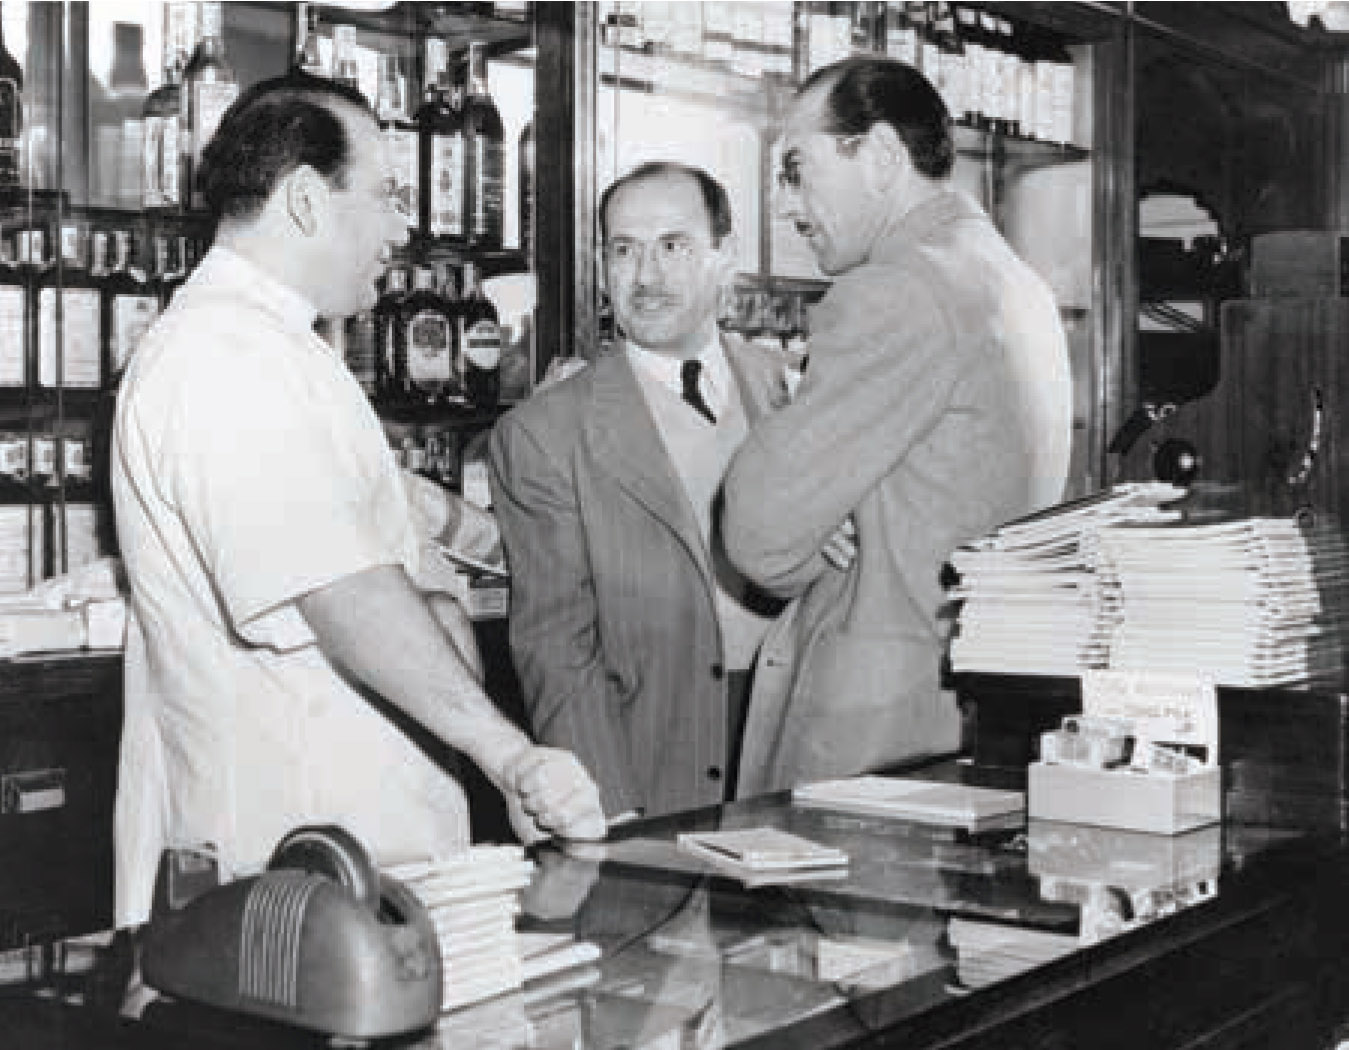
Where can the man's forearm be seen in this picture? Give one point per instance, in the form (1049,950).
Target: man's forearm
(377,627)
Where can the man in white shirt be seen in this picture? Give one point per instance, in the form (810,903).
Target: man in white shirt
(633,637)
(270,545)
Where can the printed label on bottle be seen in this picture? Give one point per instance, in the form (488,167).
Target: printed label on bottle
(14,456)
(131,317)
(79,342)
(447,186)
(482,344)
(402,148)
(75,453)
(170,161)
(11,122)
(210,99)
(430,350)
(488,181)
(44,456)
(152,194)
(11,336)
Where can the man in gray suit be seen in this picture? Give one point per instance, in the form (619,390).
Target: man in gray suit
(937,405)
(632,636)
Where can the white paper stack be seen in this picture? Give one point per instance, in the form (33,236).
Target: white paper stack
(989,951)
(1251,602)
(473,901)
(1032,601)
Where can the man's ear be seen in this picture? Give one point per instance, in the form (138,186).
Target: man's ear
(888,156)
(306,198)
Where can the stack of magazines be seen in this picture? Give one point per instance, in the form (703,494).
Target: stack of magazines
(1030,590)
(473,900)
(1252,602)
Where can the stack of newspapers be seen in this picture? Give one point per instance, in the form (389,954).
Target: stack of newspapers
(473,900)
(1252,602)
(1032,600)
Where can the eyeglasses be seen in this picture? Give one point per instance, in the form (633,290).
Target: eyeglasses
(789,173)
(673,250)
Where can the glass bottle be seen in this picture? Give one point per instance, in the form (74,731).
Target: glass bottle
(69,355)
(210,85)
(480,338)
(428,352)
(386,334)
(307,57)
(11,124)
(400,136)
(440,152)
(166,151)
(129,305)
(526,189)
(484,156)
(344,57)
(901,35)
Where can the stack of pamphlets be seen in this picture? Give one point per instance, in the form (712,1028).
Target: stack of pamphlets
(472,901)
(924,801)
(1030,590)
(1252,602)
(764,856)
(991,951)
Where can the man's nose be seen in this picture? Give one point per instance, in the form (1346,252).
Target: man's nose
(649,264)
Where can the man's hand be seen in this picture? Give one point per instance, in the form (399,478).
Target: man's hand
(548,792)
(840,550)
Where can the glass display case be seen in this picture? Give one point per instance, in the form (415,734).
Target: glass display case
(104,110)
(708,84)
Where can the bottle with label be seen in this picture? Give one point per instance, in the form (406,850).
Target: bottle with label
(526,189)
(68,350)
(344,57)
(11,124)
(427,367)
(400,136)
(480,337)
(440,154)
(360,349)
(307,57)
(975,43)
(386,334)
(484,156)
(901,35)
(210,86)
(13,316)
(130,306)
(166,152)
(74,512)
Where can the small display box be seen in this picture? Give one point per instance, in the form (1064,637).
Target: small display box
(1161,803)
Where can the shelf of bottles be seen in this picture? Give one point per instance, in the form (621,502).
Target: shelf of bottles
(1010,86)
(104,112)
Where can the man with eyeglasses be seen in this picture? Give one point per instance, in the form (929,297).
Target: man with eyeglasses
(632,636)
(283,647)
(937,405)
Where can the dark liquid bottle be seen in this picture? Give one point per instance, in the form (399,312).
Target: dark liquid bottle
(526,203)
(11,124)
(164,165)
(480,338)
(440,154)
(484,156)
(427,364)
(386,335)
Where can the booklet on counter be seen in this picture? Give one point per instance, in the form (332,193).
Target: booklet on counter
(925,801)
(762,855)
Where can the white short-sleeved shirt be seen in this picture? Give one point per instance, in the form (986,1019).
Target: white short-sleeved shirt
(249,470)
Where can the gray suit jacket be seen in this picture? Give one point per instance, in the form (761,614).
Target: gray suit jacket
(613,625)
(937,405)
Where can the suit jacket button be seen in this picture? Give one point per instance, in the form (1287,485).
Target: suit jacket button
(718,672)
(713,772)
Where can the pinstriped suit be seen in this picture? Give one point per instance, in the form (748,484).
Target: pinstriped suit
(613,627)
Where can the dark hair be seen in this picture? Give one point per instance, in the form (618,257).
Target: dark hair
(718,204)
(271,129)
(860,91)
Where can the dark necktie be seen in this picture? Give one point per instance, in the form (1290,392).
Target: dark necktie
(692,394)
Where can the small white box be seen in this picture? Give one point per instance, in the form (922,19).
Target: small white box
(1121,798)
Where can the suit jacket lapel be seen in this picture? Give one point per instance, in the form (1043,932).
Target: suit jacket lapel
(629,448)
